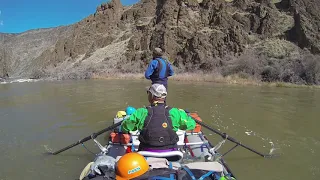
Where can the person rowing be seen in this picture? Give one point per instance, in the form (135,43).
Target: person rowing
(158,122)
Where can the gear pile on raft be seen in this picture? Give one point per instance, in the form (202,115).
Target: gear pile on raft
(193,157)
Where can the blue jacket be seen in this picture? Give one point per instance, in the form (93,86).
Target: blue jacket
(159,73)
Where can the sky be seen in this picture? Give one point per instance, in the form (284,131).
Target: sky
(17,16)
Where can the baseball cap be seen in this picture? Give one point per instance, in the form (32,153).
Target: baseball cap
(157,52)
(157,90)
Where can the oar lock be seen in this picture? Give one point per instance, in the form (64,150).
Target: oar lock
(102,148)
(93,136)
(225,135)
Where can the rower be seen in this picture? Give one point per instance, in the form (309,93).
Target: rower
(158,123)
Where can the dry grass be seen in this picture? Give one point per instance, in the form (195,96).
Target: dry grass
(216,78)
(277,48)
(202,77)
(118,76)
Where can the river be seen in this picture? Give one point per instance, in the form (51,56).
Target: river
(37,117)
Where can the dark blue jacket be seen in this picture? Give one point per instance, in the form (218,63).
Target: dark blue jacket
(159,73)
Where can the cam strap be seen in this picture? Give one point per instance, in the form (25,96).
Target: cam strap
(165,178)
(206,175)
(203,176)
(161,178)
(170,166)
(189,172)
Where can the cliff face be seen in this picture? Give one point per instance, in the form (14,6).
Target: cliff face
(306,14)
(18,51)
(210,35)
(3,63)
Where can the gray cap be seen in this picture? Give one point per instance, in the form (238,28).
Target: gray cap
(157,52)
(158,90)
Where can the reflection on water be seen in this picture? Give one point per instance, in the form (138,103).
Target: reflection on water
(37,117)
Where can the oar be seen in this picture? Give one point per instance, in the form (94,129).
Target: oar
(94,135)
(223,135)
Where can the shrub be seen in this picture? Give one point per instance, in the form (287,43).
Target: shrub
(248,63)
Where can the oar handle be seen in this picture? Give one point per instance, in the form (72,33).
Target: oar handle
(94,135)
(66,148)
(229,138)
(249,148)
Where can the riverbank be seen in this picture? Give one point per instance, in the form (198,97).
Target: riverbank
(203,77)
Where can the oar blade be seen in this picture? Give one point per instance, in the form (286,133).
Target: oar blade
(94,135)
(269,156)
(223,135)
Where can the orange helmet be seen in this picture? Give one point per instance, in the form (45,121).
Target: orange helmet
(130,166)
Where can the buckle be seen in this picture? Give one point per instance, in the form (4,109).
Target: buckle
(161,139)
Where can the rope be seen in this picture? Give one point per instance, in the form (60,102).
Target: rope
(87,148)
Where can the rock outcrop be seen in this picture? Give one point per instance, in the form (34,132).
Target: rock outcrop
(306,31)
(195,34)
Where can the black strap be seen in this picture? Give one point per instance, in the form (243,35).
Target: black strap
(150,111)
(160,67)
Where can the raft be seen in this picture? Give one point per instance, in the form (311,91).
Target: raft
(195,158)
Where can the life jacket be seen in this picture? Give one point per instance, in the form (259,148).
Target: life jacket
(161,72)
(158,132)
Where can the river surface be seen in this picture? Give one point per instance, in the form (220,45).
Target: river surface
(37,117)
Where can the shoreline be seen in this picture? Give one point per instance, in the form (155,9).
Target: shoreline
(203,77)
(184,77)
